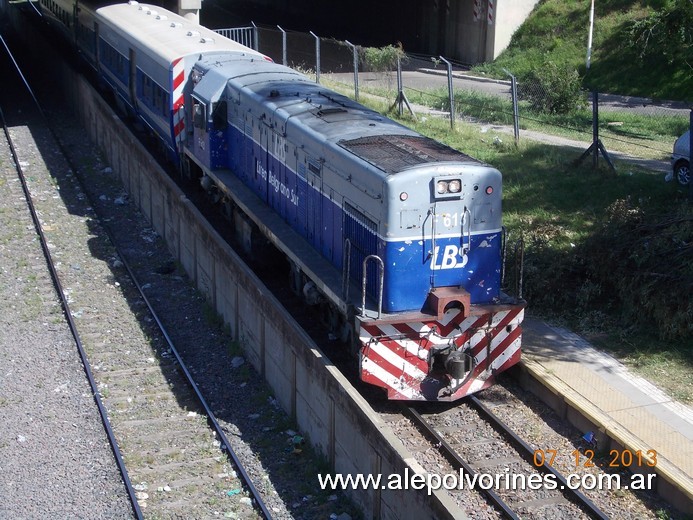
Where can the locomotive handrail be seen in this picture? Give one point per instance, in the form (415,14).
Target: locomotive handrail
(346,268)
(504,253)
(519,263)
(469,227)
(412,335)
(432,252)
(363,284)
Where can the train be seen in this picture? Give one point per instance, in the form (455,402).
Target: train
(394,238)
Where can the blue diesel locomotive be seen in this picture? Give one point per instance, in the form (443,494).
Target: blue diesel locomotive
(397,237)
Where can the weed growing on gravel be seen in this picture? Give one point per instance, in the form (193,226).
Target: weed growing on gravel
(663,514)
(234,348)
(211,316)
(243,373)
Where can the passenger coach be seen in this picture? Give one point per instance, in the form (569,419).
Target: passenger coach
(144,54)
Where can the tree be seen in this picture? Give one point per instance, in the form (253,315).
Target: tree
(667,32)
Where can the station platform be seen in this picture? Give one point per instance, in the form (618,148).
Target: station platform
(598,393)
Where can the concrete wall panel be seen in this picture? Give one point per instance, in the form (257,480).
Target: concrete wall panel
(145,193)
(250,324)
(313,409)
(225,292)
(280,366)
(171,233)
(186,243)
(205,267)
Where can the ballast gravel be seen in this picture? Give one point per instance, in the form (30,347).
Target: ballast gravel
(55,461)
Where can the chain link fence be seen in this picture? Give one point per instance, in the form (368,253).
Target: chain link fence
(531,106)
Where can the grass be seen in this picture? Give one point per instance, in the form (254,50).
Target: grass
(663,364)
(557,31)
(642,135)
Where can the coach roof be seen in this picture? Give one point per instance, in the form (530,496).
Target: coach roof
(165,33)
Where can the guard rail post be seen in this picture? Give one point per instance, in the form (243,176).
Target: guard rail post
(284,62)
(516,111)
(356,68)
(451,93)
(690,155)
(317,56)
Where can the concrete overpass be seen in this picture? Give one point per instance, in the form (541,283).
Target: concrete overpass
(468,31)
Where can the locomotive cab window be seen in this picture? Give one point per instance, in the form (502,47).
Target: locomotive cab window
(199,113)
(219,119)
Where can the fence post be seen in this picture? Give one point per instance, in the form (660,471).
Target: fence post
(256,37)
(596,145)
(690,155)
(356,68)
(516,110)
(317,57)
(451,94)
(283,45)
(595,129)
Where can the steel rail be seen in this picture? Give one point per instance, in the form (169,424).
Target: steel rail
(528,452)
(225,446)
(525,450)
(211,419)
(450,453)
(73,328)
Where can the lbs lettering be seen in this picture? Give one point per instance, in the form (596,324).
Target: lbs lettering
(452,257)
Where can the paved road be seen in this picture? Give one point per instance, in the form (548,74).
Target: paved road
(428,79)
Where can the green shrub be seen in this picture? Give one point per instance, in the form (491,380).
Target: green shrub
(667,33)
(553,90)
(381,59)
(646,262)
(636,266)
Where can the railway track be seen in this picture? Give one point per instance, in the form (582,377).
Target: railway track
(503,455)
(174,457)
(512,494)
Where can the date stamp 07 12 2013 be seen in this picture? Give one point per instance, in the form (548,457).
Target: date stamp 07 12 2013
(617,458)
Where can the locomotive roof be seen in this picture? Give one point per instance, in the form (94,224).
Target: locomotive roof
(289,98)
(166,34)
(394,153)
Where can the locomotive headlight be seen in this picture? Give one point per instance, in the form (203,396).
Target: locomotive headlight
(403,196)
(489,190)
(447,188)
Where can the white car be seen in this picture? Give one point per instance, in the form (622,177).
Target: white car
(680,159)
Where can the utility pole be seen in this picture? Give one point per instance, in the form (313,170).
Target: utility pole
(589,37)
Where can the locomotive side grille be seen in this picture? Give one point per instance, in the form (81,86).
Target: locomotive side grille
(394,153)
(362,233)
